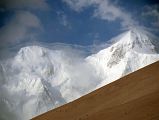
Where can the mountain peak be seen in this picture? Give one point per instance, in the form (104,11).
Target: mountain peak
(136,40)
(33,52)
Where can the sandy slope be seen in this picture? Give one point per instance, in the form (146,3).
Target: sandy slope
(133,97)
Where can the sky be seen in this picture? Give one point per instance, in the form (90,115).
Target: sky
(80,22)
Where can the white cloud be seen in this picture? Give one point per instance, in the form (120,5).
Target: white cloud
(23,24)
(24,4)
(78,5)
(63,19)
(19,27)
(152,12)
(104,9)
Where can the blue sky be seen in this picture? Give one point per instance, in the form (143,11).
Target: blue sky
(82,22)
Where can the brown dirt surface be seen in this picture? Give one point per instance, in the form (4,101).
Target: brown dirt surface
(133,97)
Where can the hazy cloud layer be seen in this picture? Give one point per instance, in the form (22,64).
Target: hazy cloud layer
(152,12)
(18,28)
(24,23)
(103,9)
(63,19)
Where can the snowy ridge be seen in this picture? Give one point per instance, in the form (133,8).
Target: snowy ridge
(132,51)
(38,79)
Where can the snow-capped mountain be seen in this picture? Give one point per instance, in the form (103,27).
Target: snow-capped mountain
(38,79)
(130,51)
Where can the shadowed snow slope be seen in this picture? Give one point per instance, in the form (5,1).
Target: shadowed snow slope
(38,79)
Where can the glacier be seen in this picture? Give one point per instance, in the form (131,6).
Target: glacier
(37,79)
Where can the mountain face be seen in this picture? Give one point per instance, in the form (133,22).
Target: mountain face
(130,51)
(38,79)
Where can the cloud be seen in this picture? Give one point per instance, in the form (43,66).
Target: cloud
(152,12)
(104,10)
(22,25)
(78,5)
(63,19)
(24,4)
(29,87)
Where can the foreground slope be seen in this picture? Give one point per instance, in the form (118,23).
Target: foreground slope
(133,97)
